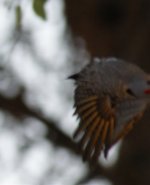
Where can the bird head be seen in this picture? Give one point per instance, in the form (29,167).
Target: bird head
(140,87)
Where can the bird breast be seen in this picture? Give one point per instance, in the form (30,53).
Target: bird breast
(128,109)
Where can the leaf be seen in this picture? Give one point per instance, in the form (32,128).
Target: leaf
(18,16)
(38,7)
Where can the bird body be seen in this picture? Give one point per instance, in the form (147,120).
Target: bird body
(111,95)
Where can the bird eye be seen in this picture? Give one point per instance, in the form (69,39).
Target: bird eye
(129,91)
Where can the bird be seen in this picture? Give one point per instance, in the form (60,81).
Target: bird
(110,96)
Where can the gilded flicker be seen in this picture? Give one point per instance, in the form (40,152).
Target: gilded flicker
(111,95)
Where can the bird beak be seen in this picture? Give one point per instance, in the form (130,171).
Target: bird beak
(147,91)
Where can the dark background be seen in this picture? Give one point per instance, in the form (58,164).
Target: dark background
(119,28)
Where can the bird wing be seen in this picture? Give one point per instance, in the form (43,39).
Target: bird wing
(127,128)
(97,124)
(127,114)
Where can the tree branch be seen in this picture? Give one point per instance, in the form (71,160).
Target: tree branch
(19,109)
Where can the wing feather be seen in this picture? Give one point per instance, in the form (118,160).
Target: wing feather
(86,100)
(85,123)
(86,106)
(111,128)
(89,132)
(100,143)
(91,144)
(96,121)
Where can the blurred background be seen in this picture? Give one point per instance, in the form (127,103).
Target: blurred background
(42,42)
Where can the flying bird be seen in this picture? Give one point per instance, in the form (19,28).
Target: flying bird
(111,95)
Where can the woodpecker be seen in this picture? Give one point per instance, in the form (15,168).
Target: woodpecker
(111,95)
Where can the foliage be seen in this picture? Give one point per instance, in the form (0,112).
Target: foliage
(38,7)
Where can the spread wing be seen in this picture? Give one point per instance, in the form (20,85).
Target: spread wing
(96,127)
(102,125)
